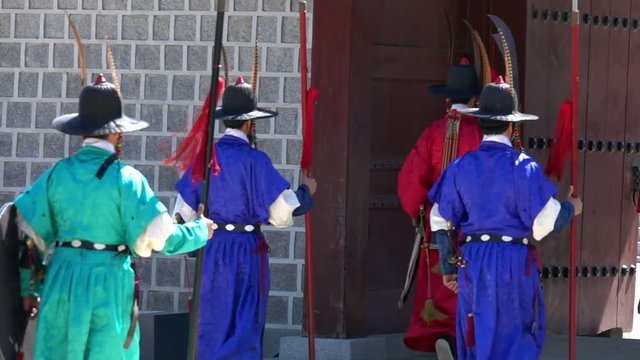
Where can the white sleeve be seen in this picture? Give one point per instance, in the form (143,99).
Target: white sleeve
(181,207)
(281,211)
(545,221)
(24,226)
(155,236)
(436,220)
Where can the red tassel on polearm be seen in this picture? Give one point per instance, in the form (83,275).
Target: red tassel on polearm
(561,149)
(307,131)
(470,337)
(191,151)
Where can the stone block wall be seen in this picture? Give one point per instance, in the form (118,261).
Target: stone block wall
(163,50)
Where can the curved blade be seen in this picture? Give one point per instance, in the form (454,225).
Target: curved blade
(450,29)
(481,59)
(507,46)
(411,271)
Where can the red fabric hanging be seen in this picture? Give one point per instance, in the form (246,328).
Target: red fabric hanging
(307,131)
(561,148)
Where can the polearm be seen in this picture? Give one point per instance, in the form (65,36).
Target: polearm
(573,246)
(213,94)
(306,100)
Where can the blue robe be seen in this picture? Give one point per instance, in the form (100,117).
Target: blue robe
(235,275)
(496,190)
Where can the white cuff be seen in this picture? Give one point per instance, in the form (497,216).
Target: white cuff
(546,219)
(281,211)
(181,207)
(155,236)
(436,220)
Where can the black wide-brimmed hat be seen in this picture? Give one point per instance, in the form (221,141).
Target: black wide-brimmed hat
(497,102)
(239,103)
(99,113)
(462,82)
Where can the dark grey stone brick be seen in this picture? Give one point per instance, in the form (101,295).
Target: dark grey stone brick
(130,109)
(53,26)
(148,172)
(173,57)
(167,178)
(28,84)
(200,5)
(268,89)
(161,27)
(28,145)
(155,87)
(263,126)
(240,29)
(197,58)
(299,245)
(184,27)
(279,59)
(142,5)
(132,147)
(273,148)
(45,113)
(18,114)
(246,55)
(286,121)
(294,151)
(94,57)
(51,85)
(207,28)
(9,55)
(7,80)
(183,87)
(204,85)
(107,27)
(121,56)
(37,169)
(115,4)
(297,310)
(130,86)
(289,175)
(267,29)
(135,27)
(5,25)
(73,85)
(177,118)
(12,4)
(148,57)
(160,300)
(158,147)
(75,143)
(68,108)
(90,4)
(153,114)
(278,243)
(292,90)
(245,5)
(168,272)
(40,4)
(295,8)
(183,301)
(63,55)
(67,4)
(144,269)
(165,5)
(290,30)
(6,196)
(278,310)
(6,144)
(53,146)
(27,26)
(274,5)
(37,55)
(15,174)
(83,24)
(283,277)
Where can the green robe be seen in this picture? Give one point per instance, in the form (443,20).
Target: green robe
(87,297)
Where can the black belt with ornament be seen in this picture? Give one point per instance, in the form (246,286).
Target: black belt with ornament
(243,228)
(88,245)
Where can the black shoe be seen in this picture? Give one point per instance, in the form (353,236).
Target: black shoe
(446,348)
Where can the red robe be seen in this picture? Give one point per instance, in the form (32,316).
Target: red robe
(419,172)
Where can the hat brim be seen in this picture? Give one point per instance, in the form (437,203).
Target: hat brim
(256,114)
(444,91)
(516,116)
(75,124)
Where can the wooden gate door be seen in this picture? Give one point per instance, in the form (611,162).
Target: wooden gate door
(608,228)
